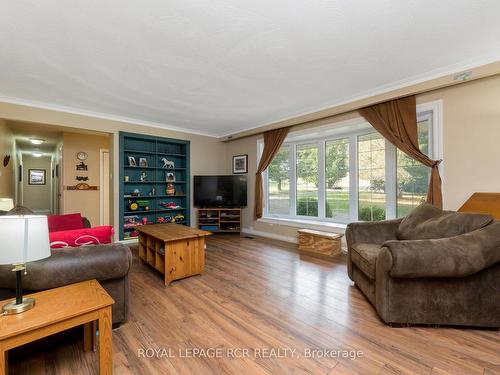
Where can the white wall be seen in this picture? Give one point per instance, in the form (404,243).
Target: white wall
(37,197)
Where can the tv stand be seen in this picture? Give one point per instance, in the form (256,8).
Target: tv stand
(220,220)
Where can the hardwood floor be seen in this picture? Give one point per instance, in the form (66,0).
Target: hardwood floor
(256,295)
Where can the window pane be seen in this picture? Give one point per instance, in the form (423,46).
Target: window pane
(307,180)
(413,177)
(371,177)
(279,183)
(337,179)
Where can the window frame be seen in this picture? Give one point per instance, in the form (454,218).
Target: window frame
(432,110)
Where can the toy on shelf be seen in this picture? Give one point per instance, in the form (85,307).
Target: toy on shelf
(144,177)
(145,221)
(136,193)
(178,218)
(136,205)
(168,163)
(164,219)
(131,221)
(169,205)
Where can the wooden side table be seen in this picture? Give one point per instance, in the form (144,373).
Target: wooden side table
(57,310)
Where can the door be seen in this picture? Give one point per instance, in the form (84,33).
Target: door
(104,195)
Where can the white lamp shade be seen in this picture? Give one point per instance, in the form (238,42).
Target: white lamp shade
(24,239)
(6,204)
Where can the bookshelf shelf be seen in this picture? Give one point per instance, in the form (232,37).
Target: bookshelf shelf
(141,157)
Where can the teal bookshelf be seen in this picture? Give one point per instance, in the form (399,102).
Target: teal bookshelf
(144,179)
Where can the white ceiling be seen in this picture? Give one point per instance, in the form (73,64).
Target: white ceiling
(221,66)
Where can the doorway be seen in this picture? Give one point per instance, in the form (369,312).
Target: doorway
(104,182)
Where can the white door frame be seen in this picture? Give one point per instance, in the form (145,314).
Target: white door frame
(101,180)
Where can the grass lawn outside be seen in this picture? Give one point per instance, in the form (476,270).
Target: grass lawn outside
(337,202)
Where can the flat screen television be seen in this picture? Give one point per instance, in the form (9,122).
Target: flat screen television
(220,191)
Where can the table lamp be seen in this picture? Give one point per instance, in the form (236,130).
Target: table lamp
(25,239)
(6,204)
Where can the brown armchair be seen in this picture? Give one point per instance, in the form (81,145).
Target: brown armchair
(452,280)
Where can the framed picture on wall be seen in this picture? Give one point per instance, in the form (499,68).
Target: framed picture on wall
(240,164)
(36,176)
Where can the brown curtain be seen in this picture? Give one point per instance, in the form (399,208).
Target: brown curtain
(396,120)
(273,139)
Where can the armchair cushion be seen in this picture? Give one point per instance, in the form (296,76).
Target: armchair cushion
(458,256)
(429,222)
(364,255)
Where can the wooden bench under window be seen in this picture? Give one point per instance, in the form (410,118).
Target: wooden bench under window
(319,242)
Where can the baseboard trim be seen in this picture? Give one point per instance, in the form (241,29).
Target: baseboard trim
(273,236)
(129,242)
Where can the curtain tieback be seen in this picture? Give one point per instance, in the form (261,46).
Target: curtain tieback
(437,162)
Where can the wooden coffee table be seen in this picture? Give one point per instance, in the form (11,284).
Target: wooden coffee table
(177,251)
(57,310)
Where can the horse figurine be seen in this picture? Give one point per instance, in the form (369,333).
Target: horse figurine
(168,163)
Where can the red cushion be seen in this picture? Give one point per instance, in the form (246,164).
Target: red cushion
(64,222)
(80,237)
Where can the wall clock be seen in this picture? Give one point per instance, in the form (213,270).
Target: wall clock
(82,156)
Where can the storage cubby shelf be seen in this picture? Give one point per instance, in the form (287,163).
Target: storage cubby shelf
(224,220)
(153,150)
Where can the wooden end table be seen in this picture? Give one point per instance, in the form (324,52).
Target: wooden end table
(57,310)
(177,251)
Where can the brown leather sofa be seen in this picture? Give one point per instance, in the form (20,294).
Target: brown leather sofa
(109,264)
(432,267)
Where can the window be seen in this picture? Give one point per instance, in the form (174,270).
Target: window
(307,180)
(279,183)
(348,173)
(412,176)
(371,177)
(337,179)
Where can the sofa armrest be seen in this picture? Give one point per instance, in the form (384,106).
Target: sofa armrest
(376,232)
(458,256)
(72,265)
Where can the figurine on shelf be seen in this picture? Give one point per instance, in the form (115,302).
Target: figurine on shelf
(168,163)
(136,193)
(152,192)
(160,220)
(143,177)
(170,189)
(144,220)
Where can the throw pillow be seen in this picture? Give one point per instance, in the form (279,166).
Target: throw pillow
(427,222)
(81,237)
(59,223)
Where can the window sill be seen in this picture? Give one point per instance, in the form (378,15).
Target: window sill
(308,224)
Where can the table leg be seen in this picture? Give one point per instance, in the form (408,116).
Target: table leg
(89,336)
(105,342)
(4,361)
